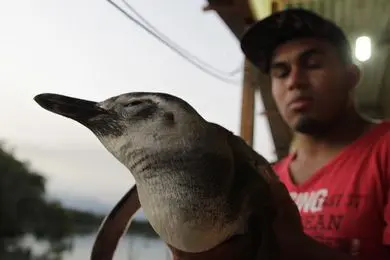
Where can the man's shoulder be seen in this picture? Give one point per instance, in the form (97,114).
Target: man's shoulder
(281,165)
(384,127)
(279,162)
(379,135)
(381,139)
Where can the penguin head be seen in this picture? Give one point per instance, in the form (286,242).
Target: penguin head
(129,121)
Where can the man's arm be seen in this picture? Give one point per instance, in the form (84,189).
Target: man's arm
(384,158)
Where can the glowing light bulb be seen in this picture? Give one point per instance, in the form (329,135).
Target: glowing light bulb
(363,48)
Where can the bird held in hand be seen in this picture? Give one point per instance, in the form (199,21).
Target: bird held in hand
(199,185)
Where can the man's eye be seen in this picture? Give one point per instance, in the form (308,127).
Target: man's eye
(314,64)
(280,73)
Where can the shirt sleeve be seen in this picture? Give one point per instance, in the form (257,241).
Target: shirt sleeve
(385,168)
(386,233)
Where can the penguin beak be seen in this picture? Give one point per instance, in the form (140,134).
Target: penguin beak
(79,110)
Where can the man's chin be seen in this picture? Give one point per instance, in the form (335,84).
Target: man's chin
(310,126)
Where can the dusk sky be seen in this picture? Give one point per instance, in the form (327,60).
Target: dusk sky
(88,49)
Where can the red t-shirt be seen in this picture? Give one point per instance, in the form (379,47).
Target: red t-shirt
(346,203)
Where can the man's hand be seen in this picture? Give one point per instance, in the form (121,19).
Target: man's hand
(238,248)
(287,223)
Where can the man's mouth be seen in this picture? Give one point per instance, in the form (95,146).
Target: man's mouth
(300,103)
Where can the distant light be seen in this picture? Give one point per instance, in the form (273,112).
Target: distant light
(363,48)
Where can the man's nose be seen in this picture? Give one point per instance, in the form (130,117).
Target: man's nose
(297,78)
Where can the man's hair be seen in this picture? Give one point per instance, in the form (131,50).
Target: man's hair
(260,41)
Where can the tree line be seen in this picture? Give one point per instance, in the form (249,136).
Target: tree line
(25,210)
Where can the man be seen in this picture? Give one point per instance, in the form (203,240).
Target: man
(339,174)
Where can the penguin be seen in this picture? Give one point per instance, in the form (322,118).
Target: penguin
(198,184)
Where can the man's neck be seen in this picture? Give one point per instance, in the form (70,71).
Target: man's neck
(340,135)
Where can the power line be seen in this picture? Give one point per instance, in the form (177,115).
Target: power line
(165,38)
(169,45)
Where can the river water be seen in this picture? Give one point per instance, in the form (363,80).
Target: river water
(130,247)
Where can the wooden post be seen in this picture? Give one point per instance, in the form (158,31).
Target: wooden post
(281,134)
(250,80)
(248,104)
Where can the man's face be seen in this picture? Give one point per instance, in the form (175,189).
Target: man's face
(310,84)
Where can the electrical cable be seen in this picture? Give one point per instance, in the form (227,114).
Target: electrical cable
(165,38)
(172,47)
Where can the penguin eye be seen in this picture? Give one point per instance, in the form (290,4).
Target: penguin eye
(134,103)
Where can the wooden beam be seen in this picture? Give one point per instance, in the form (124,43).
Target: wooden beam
(221,7)
(257,9)
(239,7)
(280,132)
(248,104)
(237,15)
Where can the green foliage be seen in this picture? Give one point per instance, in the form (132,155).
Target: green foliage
(21,193)
(142,228)
(25,211)
(84,222)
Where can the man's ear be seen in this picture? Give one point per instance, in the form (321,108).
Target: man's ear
(353,76)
